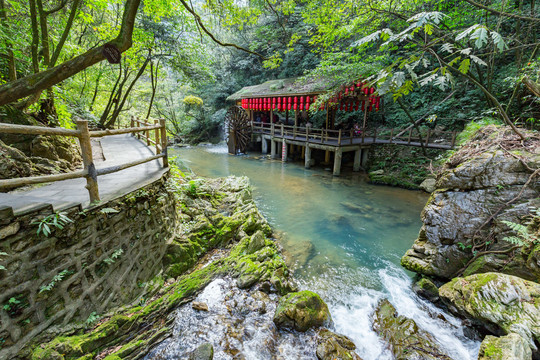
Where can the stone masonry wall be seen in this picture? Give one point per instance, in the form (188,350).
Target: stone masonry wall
(101,260)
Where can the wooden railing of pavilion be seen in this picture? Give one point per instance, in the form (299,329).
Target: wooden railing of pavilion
(84,135)
(430,138)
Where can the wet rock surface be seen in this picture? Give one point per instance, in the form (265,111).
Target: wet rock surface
(509,347)
(301,311)
(238,325)
(403,336)
(502,303)
(475,183)
(332,346)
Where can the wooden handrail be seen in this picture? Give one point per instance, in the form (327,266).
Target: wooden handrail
(90,172)
(37,130)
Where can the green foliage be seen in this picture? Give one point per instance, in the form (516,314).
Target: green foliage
(55,280)
(58,220)
(93,318)
(108,211)
(472,127)
(523,234)
(114,256)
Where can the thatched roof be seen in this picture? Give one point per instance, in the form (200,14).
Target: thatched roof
(282,87)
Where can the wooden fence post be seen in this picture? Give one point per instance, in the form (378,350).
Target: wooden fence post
(88,161)
(138,125)
(391,134)
(132,124)
(164,143)
(339,137)
(410,133)
(156,137)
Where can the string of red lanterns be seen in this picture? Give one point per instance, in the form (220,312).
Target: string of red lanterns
(282,103)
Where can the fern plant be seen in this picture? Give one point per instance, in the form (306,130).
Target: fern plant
(56,279)
(57,220)
(114,256)
(524,235)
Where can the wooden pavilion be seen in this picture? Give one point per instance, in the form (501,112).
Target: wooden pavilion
(296,98)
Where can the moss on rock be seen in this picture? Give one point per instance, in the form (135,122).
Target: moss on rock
(301,311)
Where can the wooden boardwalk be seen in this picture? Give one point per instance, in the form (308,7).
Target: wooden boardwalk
(117,149)
(336,138)
(339,141)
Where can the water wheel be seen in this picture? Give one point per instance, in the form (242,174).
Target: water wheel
(238,130)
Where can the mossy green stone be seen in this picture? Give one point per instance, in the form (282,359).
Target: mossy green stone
(301,311)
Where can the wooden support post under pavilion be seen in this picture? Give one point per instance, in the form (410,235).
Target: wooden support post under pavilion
(307,162)
(264,146)
(273,149)
(337,161)
(357,158)
(284,151)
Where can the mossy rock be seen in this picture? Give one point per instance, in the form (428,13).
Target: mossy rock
(301,311)
(406,340)
(332,346)
(509,347)
(501,303)
(426,289)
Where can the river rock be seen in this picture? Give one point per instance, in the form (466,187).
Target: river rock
(405,339)
(472,186)
(301,311)
(332,346)
(426,289)
(256,242)
(203,352)
(428,185)
(501,303)
(509,347)
(199,306)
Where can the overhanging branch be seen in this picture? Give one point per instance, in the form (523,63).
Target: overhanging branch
(200,23)
(40,81)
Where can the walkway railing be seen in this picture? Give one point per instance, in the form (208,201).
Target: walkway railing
(430,138)
(84,135)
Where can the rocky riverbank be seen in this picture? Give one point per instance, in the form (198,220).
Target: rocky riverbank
(223,278)
(480,238)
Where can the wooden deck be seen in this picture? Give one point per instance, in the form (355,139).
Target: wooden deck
(443,140)
(339,141)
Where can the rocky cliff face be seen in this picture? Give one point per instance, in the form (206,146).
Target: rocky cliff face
(489,180)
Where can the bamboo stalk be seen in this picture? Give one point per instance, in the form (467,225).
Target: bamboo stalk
(37,130)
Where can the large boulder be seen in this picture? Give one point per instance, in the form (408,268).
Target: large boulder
(332,346)
(301,311)
(502,303)
(14,163)
(405,339)
(509,347)
(474,184)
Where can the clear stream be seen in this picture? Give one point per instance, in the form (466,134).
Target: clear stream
(346,238)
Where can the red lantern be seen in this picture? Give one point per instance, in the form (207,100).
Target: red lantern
(295,106)
(301,103)
(289,105)
(346,91)
(307,103)
(366,91)
(279,103)
(372,90)
(377,103)
(259,104)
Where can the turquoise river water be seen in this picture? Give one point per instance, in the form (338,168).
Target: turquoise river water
(346,238)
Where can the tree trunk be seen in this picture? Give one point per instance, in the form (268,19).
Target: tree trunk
(120,106)
(31,84)
(12,70)
(153,80)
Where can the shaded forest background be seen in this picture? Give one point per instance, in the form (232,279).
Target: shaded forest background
(445,62)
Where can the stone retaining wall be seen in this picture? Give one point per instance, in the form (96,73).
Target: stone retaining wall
(101,260)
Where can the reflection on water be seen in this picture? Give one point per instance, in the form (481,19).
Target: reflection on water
(346,237)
